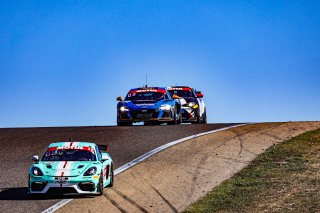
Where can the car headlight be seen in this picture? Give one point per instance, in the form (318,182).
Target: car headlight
(124,109)
(90,171)
(193,105)
(36,171)
(166,107)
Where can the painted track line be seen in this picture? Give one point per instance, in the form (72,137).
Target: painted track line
(142,158)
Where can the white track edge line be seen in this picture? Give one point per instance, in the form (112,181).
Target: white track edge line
(132,163)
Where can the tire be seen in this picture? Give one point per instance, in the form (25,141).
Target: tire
(111,177)
(100,186)
(180,119)
(198,121)
(174,122)
(30,195)
(29,187)
(204,117)
(128,123)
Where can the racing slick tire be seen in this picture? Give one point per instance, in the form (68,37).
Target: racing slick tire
(204,118)
(180,119)
(198,118)
(111,177)
(174,122)
(29,191)
(124,123)
(31,195)
(100,186)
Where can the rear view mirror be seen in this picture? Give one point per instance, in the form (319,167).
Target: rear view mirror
(104,157)
(35,158)
(119,98)
(200,95)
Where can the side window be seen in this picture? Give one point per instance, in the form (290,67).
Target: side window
(98,154)
(194,93)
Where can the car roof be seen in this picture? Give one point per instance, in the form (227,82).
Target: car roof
(181,87)
(71,144)
(145,88)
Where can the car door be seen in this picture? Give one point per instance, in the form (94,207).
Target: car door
(102,163)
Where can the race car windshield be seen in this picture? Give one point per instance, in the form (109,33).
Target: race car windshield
(182,93)
(145,96)
(68,155)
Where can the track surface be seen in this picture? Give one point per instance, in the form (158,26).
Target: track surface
(126,143)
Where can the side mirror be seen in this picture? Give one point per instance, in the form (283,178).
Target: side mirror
(104,157)
(175,97)
(119,98)
(199,95)
(35,158)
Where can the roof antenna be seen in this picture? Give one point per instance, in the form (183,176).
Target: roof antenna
(146,80)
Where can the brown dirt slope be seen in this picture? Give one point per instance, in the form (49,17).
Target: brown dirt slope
(173,179)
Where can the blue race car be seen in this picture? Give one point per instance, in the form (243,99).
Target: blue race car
(148,105)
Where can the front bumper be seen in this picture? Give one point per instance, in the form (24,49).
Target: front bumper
(152,115)
(63,185)
(188,114)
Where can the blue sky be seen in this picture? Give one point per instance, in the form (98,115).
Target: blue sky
(63,63)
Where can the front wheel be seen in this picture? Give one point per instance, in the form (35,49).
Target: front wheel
(111,177)
(180,119)
(198,118)
(174,122)
(100,185)
(204,118)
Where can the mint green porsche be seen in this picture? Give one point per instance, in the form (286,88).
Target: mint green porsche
(71,167)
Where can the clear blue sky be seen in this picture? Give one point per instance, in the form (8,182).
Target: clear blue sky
(63,63)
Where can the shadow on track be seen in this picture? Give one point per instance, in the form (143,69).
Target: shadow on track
(21,193)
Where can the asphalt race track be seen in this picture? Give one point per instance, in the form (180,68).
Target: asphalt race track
(125,144)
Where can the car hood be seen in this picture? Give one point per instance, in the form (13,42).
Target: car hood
(143,104)
(65,168)
(189,99)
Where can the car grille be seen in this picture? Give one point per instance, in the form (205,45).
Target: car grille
(62,190)
(144,114)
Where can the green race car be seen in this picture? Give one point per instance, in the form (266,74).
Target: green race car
(71,167)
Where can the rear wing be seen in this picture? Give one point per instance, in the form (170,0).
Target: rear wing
(103,148)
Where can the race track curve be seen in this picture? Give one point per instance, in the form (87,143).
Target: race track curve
(125,144)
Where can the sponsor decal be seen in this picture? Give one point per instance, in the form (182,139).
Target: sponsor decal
(61,180)
(67,147)
(180,88)
(144,105)
(132,92)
